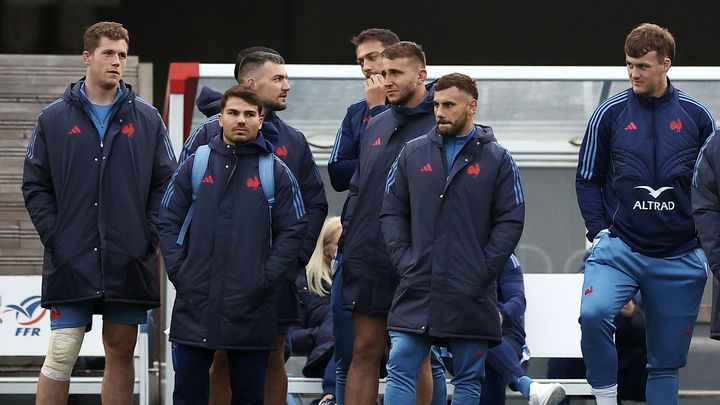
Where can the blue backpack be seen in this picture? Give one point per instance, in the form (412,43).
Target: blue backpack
(266,168)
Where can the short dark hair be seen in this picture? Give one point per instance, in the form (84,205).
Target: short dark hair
(252,61)
(463,82)
(247,51)
(650,37)
(385,36)
(112,30)
(240,91)
(405,49)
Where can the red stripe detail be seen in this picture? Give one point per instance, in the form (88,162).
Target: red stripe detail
(182,79)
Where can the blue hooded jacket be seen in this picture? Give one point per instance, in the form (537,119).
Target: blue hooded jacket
(369,278)
(95,203)
(226,273)
(450,236)
(635,167)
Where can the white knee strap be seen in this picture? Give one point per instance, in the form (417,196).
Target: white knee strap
(63,353)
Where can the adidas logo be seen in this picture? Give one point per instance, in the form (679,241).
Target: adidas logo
(631,126)
(426,168)
(377,142)
(74,130)
(208,179)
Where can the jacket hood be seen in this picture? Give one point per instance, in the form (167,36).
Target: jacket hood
(72,92)
(271,134)
(404,113)
(208,102)
(483,133)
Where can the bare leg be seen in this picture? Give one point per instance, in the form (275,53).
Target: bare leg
(371,338)
(276,383)
(119,378)
(51,392)
(220,391)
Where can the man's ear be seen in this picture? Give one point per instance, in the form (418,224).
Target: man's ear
(473,106)
(86,57)
(422,75)
(667,63)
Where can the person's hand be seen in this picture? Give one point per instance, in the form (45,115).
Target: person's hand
(628,310)
(375,93)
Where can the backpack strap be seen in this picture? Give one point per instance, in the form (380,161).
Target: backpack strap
(202,155)
(266,169)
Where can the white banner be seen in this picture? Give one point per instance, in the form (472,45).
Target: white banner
(25,325)
(551,317)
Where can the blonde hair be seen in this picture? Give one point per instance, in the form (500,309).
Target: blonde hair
(318,268)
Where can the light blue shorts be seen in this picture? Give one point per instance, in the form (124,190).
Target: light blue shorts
(75,314)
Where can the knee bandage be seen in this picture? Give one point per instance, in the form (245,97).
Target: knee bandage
(62,353)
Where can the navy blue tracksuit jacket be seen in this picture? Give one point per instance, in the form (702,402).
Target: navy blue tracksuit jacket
(450,228)
(635,167)
(290,145)
(226,273)
(345,152)
(95,203)
(369,278)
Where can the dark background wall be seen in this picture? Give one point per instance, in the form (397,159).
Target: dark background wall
(514,32)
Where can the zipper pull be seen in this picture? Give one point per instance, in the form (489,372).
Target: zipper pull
(101,144)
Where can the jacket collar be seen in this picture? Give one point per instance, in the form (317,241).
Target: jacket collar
(260,145)
(483,134)
(654,102)
(72,93)
(403,114)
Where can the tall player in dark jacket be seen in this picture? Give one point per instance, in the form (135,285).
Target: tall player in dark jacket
(633,188)
(452,215)
(368,276)
(227,271)
(95,171)
(369,45)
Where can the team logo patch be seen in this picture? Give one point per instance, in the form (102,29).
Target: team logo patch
(208,180)
(676,125)
(282,151)
(474,170)
(253,182)
(631,126)
(426,168)
(74,130)
(128,130)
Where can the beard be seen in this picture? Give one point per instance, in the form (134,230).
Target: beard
(273,105)
(404,98)
(452,130)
